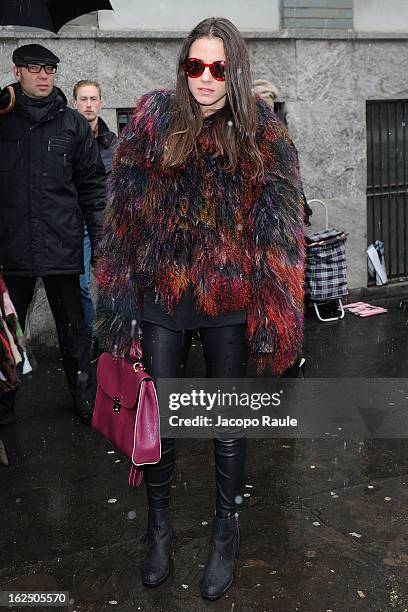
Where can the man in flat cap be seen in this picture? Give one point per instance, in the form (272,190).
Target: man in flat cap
(51,180)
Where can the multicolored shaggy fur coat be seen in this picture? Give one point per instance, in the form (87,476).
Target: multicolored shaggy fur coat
(238,242)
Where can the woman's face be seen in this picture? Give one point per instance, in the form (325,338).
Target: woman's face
(208,92)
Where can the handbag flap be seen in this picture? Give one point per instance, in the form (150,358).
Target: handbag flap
(119,380)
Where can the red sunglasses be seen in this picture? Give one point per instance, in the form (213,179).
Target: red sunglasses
(194,68)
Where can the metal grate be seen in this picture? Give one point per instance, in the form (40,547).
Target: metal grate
(387,176)
(123,116)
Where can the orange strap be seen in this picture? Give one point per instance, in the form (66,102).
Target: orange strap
(10,106)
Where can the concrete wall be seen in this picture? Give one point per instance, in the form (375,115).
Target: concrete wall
(324,84)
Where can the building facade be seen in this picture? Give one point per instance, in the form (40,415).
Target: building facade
(340,66)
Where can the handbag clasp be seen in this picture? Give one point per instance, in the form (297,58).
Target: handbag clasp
(116,405)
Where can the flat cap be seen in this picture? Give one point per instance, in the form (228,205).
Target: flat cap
(34,54)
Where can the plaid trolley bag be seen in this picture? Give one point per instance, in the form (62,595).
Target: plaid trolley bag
(326,268)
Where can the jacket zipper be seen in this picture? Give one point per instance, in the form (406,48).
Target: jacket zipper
(44,120)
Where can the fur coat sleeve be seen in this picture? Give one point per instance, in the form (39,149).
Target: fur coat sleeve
(119,302)
(275,311)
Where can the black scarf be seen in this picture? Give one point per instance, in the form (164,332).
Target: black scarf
(37,108)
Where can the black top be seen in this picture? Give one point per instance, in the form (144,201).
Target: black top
(185,314)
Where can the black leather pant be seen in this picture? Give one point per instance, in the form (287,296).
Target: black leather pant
(226,355)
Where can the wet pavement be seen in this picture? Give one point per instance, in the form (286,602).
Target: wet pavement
(324,521)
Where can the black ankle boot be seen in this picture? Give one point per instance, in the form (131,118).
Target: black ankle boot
(219,570)
(156,566)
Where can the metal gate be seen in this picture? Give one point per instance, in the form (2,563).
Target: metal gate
(387,176)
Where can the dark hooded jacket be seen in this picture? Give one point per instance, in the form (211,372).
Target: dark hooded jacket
(107,142)
(51,180)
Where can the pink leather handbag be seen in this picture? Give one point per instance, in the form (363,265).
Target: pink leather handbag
(126,410)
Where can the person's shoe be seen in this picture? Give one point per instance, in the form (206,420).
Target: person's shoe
(219,570)
(156,565)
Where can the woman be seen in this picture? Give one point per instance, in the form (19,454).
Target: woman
(203,231)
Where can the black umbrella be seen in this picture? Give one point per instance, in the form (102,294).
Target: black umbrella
(47,14)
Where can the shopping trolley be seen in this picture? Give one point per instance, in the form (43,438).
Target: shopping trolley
(326,268)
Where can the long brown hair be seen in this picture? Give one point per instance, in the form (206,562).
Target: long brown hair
(187,118)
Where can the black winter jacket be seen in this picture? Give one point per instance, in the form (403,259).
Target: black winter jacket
(51,180)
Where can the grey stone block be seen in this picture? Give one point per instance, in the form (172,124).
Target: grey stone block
(381,69)
(348,4)
(336,24)
(78,61)
(325,136)
(128,69)
(325,70)
(317,13)
(275,61)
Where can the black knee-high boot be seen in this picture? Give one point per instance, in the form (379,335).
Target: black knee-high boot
(158,477)
(219,570)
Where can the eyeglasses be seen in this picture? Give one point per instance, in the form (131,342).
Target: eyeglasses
(194,68)
(36,68)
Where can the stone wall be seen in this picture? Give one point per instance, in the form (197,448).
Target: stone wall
(324,83)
